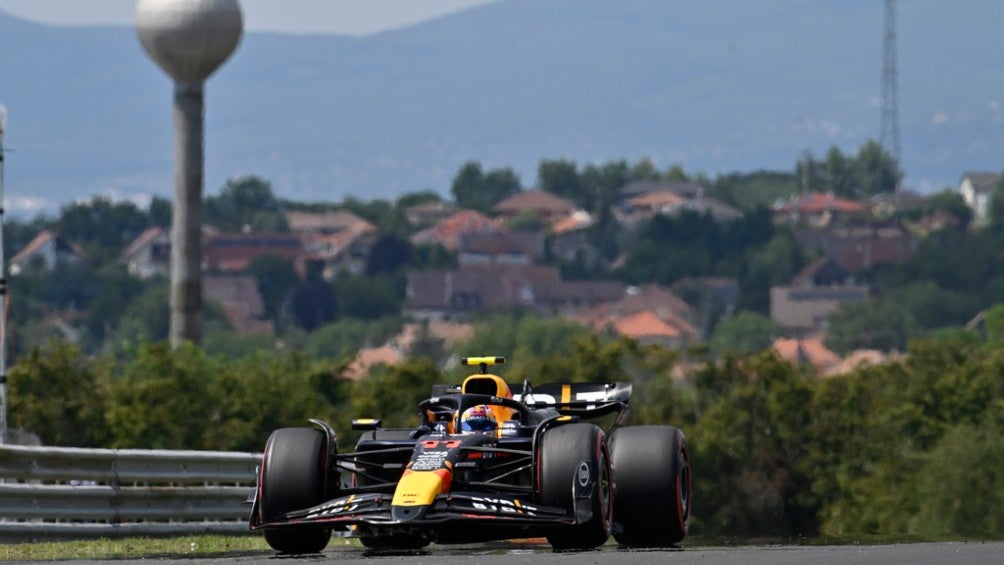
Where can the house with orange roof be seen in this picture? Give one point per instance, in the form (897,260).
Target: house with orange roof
(449,231)
(634,299)
(684,189)
(429,213)
(648,328)
(324,223)
(149,255)
(347,250)
(337,240)
(817,209)
(643,200)
(542,204)
(48,249)
(232,253)
(860,245)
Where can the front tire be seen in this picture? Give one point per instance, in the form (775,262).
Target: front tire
(293,479)
(652,480)
(563,450)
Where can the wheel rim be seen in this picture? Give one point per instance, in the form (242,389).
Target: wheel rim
(684,487)
(603,485)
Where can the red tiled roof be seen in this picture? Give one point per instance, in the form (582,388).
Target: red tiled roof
(809,350)
(644,324)
(142,241)
(448,232)
(655,298)
(328,221)
(817,203)
(655,199)
(40,241)
(235,252)
(537,201)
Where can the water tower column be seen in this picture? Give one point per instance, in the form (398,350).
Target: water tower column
(189,40)
(186,236)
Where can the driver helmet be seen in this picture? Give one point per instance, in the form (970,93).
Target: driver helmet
(478,419)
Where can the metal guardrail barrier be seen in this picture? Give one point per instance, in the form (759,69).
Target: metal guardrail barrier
(73,493)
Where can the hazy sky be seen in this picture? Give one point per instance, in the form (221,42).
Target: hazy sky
(353,17)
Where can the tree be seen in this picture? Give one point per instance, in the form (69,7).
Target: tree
(838,174)
(313,303)
(676,173)
(959,485)
(644,169)
(103,227)
(809,173)
(415,198)
(745,333)
(561,177)
(348,335)
(389,253)
(876,171)
(160,212)
(276,277)
(473,189)
(751,447)
(951,201)
(468,187)
(876,324)
(770,265)
(996,212)
(163,399)
(501,184)
(387,217)
(369,297)
(58,395)
(243,204)
(994,323)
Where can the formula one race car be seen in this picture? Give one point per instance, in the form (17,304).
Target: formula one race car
(482,465)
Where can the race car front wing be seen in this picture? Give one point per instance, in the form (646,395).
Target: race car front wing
(375,509)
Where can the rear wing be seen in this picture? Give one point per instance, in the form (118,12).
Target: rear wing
(574,395)
(558,394)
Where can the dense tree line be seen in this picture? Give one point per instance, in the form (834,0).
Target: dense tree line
(911,446)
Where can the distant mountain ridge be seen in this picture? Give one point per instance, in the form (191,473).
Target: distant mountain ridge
(715,86)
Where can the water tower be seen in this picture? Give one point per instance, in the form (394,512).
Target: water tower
(189,40)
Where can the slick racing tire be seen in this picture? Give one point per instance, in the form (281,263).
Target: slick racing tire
(563,451)
(651,468)
(292,478)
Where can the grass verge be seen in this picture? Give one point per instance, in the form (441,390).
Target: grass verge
(184,546)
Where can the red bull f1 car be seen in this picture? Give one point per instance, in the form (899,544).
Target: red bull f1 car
(483,464)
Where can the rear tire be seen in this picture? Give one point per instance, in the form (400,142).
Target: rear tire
(562,452)
(652,480)
(293,479)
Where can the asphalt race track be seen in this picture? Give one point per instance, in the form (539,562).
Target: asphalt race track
(942,553)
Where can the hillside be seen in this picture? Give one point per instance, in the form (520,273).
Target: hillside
(716,86)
